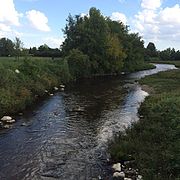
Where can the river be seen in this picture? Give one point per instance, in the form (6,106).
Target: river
(65,137)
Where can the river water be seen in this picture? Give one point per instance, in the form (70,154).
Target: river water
(65,137)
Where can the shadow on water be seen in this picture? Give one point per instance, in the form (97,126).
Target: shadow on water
(66,136)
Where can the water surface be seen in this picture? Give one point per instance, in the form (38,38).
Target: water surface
(66,136)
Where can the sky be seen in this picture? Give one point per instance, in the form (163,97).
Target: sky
(38,22)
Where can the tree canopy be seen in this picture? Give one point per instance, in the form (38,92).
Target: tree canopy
(108,44)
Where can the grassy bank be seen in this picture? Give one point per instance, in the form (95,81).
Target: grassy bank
(153,141)
(24,80)
(20,89)
(139,67)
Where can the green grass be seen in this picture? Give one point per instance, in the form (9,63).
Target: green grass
(139,67)
(17,91)
(153,142)
(37,74)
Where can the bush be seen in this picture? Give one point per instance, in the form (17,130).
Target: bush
(79,65)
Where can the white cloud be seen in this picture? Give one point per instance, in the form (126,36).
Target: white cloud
(38,20)
(4,27)
(117,16)
(8,13)
(170,15)
(158,24)
(53,42)
(151,4)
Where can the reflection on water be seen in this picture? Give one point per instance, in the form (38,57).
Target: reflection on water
(66,137)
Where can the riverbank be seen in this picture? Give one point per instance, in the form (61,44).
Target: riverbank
(176,63)
(24,81)
(152,144)
(27,80)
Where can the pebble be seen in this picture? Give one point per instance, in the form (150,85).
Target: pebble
(6,118)
(117,167)
(139,177)
(17,71)
(10,121)
(119,174)
(62,86)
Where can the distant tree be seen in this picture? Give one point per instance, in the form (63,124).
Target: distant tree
(33,51)
(151,46)
(6,47)
(169,54)
(151,51)
(18,46)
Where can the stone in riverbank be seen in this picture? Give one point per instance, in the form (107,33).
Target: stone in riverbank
(116,167)
(7,119)
(119,175)
(55,88)
(62,86)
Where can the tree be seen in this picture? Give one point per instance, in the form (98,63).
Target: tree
(18,46)
(107,43)
(79,65)
(151,51)
(6,47)
(134,47)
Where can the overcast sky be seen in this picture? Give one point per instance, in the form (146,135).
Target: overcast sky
(37,22)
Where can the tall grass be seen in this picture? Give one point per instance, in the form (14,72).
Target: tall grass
(153,142)
(18,90)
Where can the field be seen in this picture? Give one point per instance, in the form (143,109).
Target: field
(153,141)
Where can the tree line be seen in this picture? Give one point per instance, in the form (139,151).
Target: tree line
(99,45)
(151,53)
(9,48)
(95,44)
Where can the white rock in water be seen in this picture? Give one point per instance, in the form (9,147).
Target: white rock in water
(62,86)
(117,167)
(6,118)
(46,91)
(127,179)
(62,89)
(119,174)
(55,88)
(11,121)
(17,71)
(139,177)
(7,126)
(51,94)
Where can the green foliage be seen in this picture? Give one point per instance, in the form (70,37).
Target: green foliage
(169,54)
(151,52)
(6,47)
(18,90)
(79,65)
(153,141)
(135,52)
(107,43)
(18,46)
